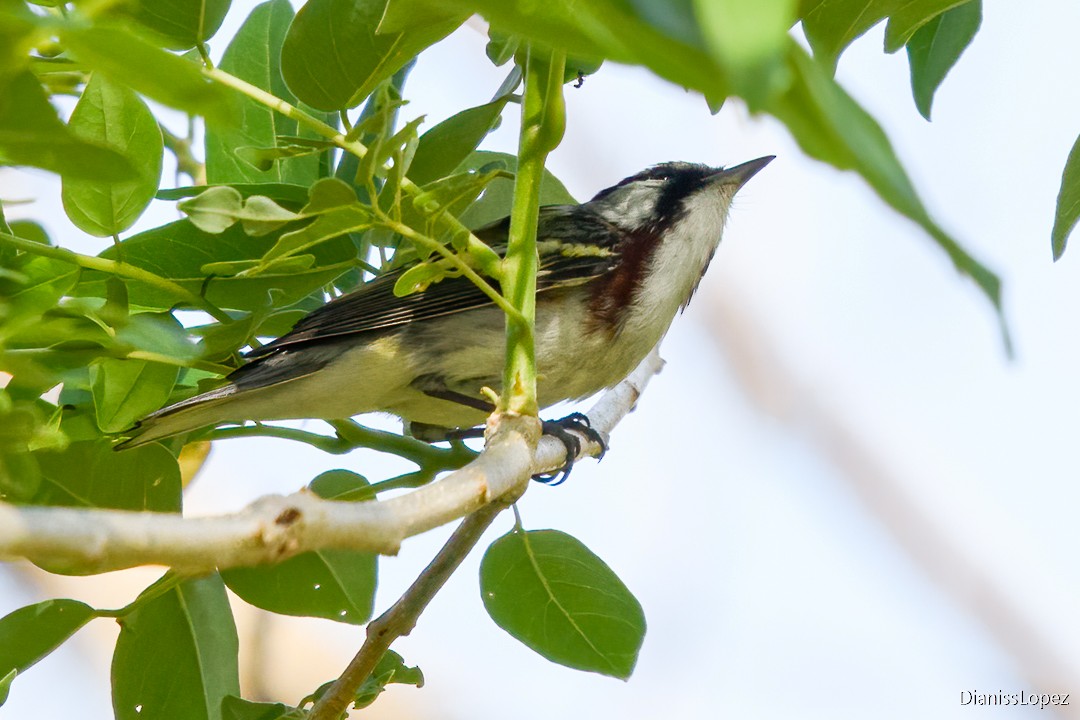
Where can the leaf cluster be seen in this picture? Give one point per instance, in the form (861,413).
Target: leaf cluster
(309,181)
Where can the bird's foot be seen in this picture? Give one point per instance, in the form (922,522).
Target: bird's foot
(563,430)
(560,430)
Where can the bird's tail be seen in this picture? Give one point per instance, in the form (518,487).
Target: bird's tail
(178,418)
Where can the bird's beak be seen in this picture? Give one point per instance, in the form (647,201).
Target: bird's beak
(740,174)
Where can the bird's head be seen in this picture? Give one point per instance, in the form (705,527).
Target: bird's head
(656,199)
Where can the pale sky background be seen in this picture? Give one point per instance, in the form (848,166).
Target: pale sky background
(774,584)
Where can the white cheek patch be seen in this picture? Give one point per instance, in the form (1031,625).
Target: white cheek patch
(686,251)
(632,206)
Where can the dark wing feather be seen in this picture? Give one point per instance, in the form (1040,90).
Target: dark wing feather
(374,307)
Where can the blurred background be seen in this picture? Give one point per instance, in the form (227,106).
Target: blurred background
(841,498)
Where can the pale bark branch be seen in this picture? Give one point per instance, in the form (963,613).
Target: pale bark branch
(275,527)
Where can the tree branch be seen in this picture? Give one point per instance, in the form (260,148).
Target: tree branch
(401,618)
(274,528)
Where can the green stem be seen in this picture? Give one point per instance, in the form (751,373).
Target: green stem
(164,584)
(542,124)
(351,435)
(405,482)
(186,162)
(446,221)
(288,110)
(169,360)
(409,448)
(119,269)
(420,239)
(204,53)
(332,445)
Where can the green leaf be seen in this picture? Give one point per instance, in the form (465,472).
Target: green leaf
(5,685)
(254,55)
(176,655)
(830,126)
(420,276)
(401,146)
(177,251)
(39,285)
(236,708)
(149,70)
(110,115)
(935,48)
(498,197)
(283,193)
(1068,202)
(328,194)
(182,24)
(30,633)
(414,16)
(30,230)
(327,226)
(32,134)
(265,158)
(662,36)
(158,333)
(126,390)
(381,109)
(333,584)
(453,193)
(220,341)
(552,593)
(749,41)
(910,16)
(342,485)
(332,57)
(220,207)
(501,47)
(391,668)
(445,146)
(20,476)
(831,25)
(90,474)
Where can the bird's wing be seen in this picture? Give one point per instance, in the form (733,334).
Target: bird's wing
(374,306)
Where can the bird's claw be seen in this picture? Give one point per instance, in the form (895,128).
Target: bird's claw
(560,430)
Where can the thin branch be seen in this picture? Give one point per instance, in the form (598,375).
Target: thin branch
(186,162)
(274,528)
(354,147)
(459,264)
(401,618)
(113,267)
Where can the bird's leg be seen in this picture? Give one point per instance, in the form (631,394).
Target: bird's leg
(558,429)
(459,398)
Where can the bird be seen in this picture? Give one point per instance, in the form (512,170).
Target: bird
(613,273)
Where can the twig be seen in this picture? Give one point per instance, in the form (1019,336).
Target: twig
(401,618)
(186,162)
(274,528)
(352,436)
(119,269)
